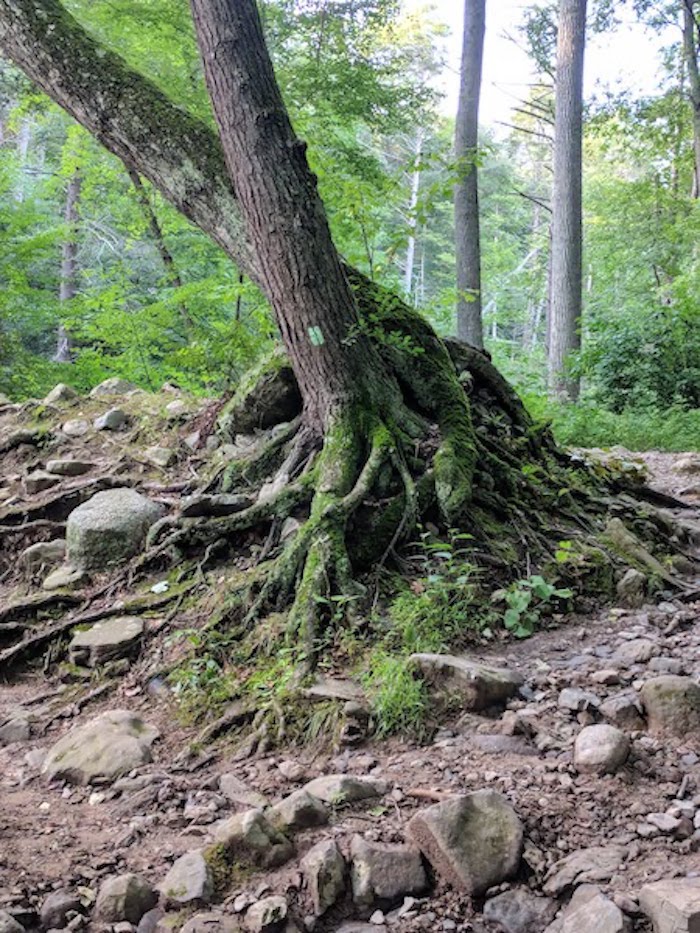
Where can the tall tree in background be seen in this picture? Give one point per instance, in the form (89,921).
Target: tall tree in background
(566,264)
(691,11)
(467,235)
(69,262)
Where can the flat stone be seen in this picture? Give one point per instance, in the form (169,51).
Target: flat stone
(211,923)
(124,897)
(335,688)
(337,789)
(69,467)
(672,705)
(60,393)
(112,420)
(42,555)
(267,915)
(585,866)
(204,504)
(189,881)
(250,838)
(109,528)
(589,911)
(637,651)
(673,905)
(113,386)
(324,869)
(600,749)
(112,638)
(55,908)
(623,710)
(237,791)
(631,589)
(15,729)
(576,700)
(65,577)
(473,842)
(39,481)
(299,810)
(160,456)
(477,685)
(520,911)
(101,750)
(75,427)
(382,875)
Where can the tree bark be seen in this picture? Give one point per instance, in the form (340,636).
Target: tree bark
(284,217)
(566,276)
(466,195)
(69,263)
(412,220)
(690,56)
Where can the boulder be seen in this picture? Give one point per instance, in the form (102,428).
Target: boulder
(520,911)
(672,705)
(106,640)
(477,685)
(102,749)
(631,589)
(110,527)
(324,869)
(8,924)
(113,386)
(473,842)
(56,907)
(189,881)
(584,866)
(60,393)
(124,897)
(41,555)
(15,729)
(76,427)
(300,810)
(636,651)
(267,915)
(249,838)
(112,420)
(69,467)
(600,749)
(672,905)
(382,875)
(589,911)
(339,789)
(623,710)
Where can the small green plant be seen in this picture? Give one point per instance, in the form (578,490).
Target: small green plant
(527,600)
(400,700)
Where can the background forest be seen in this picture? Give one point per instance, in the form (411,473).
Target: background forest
(100,277)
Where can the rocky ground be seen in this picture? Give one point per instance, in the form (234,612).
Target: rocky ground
(561,794)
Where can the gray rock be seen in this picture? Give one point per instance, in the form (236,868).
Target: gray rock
(672,705)
(76,427)
(112,420)
(56,907)
(8,924)
(601,749)
(65,577)
(473,842)
(576,700)
(338,789)
(15,729)
(477,685)
(623,710)
(211,923)
(39,481)
(102,749)
(672,905)
(300,810)
(124,897)
(520,911)
(109,528)
(324,869)
(637,651)
(113,386)
(42,555)
(251,839)
(383,875)
(106,640)
(160,456)
(60,393)
(597,864)
(237,791)
(189,881)
(267,915)
(666,665)
(688,464)
(631,589)
(176,410)
(69,467)
(589,911)
(204,504)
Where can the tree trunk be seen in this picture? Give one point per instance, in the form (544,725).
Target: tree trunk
(466,195)
(566,282)
(690,56)
(69,263)
(412,220)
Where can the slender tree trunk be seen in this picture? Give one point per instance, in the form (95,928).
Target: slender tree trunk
(285,220)
(69,263)
(23,140)
(412,205)
(467,236)
(566,281)
(690,57)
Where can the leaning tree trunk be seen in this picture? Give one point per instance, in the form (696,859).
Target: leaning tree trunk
(467,235)
(69,263)
(566,275)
